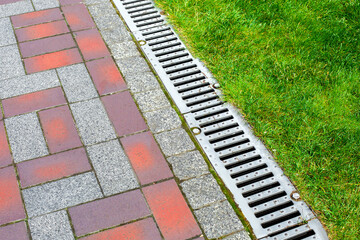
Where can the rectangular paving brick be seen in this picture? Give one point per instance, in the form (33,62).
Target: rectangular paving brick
(123,113)
(91,44)
(59,129)
(11,206)
(2,2)
(60,194)
(16,231)
(170,210)
(38,17)
(69,2)
(53,167)
(41,31)
(5,156)
(33,101)
(106,76)
(25,137)
(46,45)
(78,17)
(52,60)
(146,158)
(108,212)
(141,230)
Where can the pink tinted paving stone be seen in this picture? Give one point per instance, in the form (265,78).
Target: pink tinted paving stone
(170,210)
(33,101)
(68,2)
(59,129)
(16,231)
(53,167)
(52,60)
(41,31)
(94,216)
(8,1)
(46,45)
(91,44)
(78,17)
(141,230)
(106,76)
(38,17)
(5,156)
(11,206)
(146,158)
(123,113)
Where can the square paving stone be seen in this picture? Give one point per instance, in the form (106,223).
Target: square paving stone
(118,34)
(108,22)
(16,231)
(243,235)
(105,8)
(151,100)
(14,8)
(174,142)
(10,62)
(132,65)
(7,36)
(45,4)
(142,82)
(162,120)
(124,50)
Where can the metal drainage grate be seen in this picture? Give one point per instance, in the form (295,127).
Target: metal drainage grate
(266,197)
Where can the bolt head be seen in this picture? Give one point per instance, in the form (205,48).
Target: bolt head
(196,131)
(295,196)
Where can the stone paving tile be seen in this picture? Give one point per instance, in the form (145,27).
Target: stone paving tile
(218,220)
(59,129)
(105,8)
(78,17)
(174,142)
(151,100)
(16,231)
(162,120)
(123,113)
(25,137)
(118,34)
(202,191)
(10,62)
(16,8)
(170,210)
(77,83)
(143,230)
(7,36)
(11,207)
(60,194)
(45,4)
(142,82)
(52,60)
(46,45)
(146,158)
(188,165)
(132,65)
(122,208)
(5,156)
(8,1)
(243,235)
(108,22)
(41,31)
(51,226)
(91,44)
(33,101)
(53,167)
(89,2)
(106,76)
(112,167)
(92,121)
(124,50)
(27,84)
(69,2)
(37,17)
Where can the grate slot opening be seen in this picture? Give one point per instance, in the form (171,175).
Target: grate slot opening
(147,18)
(222,138)
(159,36)
(250,170)
(302,235)
(269,198)
(149,23)
(127,3)
(167,46)
(237,153)
(143,14)
(234,144)
(261,189)
(280,219)
(181,68)
(202,101)
(173,57)
(210,90)
(163,41)
(274,209)
(156,31)
(212,114)
(139,10)
(245,161)
(284,230)
(188,81)
(185,75)
(139,5)
(219,120)
(169,52)
(194,87)
(207,106)
(221,129)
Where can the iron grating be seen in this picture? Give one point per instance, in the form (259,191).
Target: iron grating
(264,194)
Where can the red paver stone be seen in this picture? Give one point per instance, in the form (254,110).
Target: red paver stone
(170,210)
(41,31)
(108,212)
(5,156)
(91,44)
(106,76)
(11,206)
(78,17)
(53,167)
(38,17)
(2,2)
(123,113)
(52,60)
(146,158)
(141,230)
(46,45)
(33,101)
(16,231)
(59,129)
(69,2)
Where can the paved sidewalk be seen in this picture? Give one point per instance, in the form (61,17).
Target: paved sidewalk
(88,151)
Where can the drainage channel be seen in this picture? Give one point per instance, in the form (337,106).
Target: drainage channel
(266,197)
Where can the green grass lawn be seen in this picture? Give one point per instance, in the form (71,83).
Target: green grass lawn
(293,68)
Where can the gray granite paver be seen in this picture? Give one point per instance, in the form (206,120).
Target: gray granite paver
(105,8)
(45,4)
(15,8)
(162,120)
(142,82)
(151,100)
(174,142)
(243,235)
(61,194)
(124,50)
(55,226)
(25,137)
(132,65)
(118,34)
(108,22)
(112,167)
(10,62)
(7,35)
(89,2)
